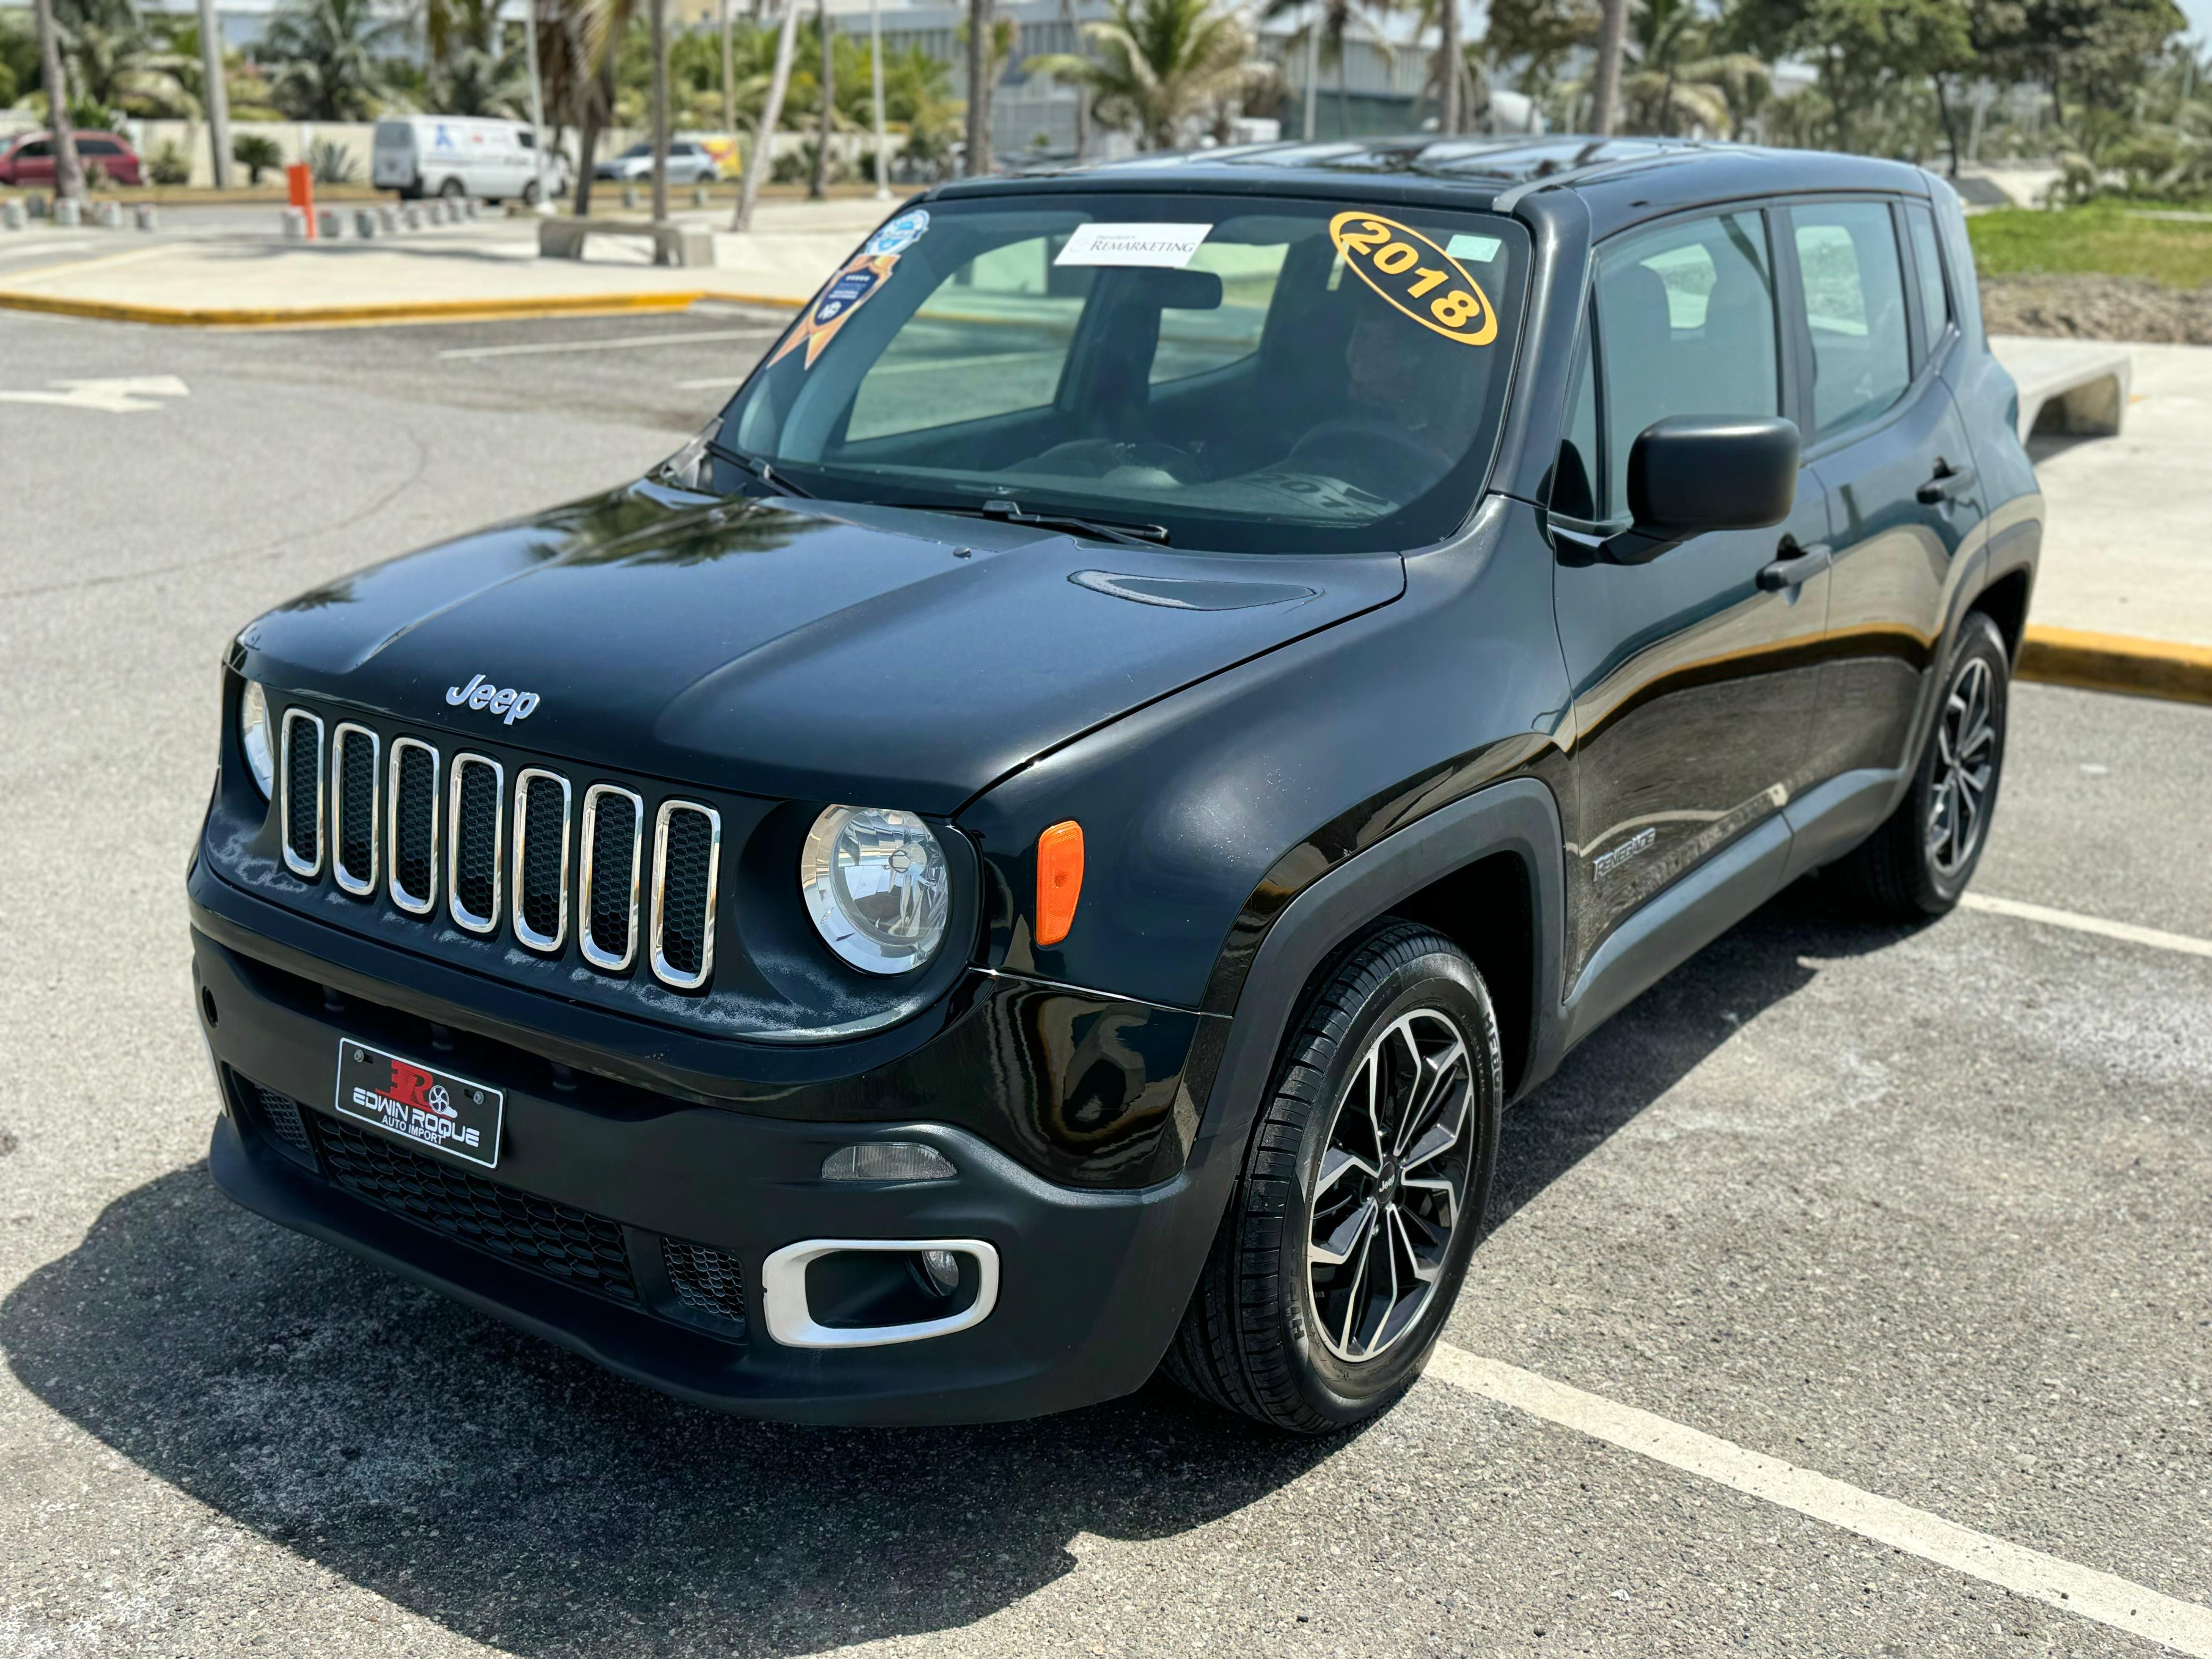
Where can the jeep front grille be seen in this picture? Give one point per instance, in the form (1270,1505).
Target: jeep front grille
(434,828)
(414,823)
(473,841)
(302,790)
(354,802)
(613,839)
(687,846)
(541,859)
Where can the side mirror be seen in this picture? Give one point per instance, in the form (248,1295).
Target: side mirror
(1689,474)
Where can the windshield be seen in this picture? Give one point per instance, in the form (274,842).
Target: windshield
(1247,373)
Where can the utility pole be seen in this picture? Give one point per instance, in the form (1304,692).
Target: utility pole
(757,163)
(729,75)
(1611,33)
(217,101)
(537,106)
(1313,66)
(69,171)
(978,161)
(876,70)
(659,111)
(815,184)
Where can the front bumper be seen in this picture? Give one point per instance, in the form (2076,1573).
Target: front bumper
(1092,1282)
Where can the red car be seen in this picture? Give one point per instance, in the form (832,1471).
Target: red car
(28,158)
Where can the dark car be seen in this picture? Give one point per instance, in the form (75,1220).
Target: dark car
(29,158)
(1039,847)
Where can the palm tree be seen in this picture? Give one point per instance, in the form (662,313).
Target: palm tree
(1324,39)
(69,171)
(332,54)
(1676,79)
(757,159)
(126,68)
(983,77)
(1161,64)
(1605,79)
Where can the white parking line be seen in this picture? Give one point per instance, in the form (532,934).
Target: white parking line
(2183,1626)
(538,348)
(2080,924)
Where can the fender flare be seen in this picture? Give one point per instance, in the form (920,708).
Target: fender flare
(1518,816)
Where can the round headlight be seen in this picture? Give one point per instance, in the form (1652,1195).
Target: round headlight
(876,885)
(253,737)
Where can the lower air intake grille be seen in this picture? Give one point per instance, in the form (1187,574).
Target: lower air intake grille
(281,1115)
(555,1239)
(414,825)
(686,852)
(353,813)
(705,1280)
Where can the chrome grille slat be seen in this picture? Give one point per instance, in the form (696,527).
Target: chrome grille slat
(541,859)
(301,790)
(612,844)
(412,830)
(475,832)
(354,807)
(687,857)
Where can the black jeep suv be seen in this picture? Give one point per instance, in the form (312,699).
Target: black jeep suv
(1038,847)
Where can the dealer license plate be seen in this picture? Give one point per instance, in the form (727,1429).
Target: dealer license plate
(447,1114)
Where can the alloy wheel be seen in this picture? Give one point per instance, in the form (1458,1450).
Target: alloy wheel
(1392,1186)
(1966,766)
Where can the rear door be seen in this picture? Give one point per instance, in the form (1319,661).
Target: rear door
(1887,443)
(1693,677)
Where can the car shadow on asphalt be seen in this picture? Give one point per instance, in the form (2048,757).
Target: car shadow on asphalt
(520,1495)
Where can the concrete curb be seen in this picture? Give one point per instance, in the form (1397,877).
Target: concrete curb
(402,312)
(2117,662)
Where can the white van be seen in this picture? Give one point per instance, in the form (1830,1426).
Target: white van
(462,155)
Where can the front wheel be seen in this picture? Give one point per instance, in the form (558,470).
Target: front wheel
(1361,1196)
(451,190)
(1919,862)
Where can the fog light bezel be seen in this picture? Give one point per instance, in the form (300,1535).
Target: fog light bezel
(790,1320)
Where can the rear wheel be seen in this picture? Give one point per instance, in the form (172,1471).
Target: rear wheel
(1920,861)
(1361,1196)
(451,190)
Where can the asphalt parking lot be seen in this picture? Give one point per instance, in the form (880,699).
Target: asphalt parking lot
(1926,1212)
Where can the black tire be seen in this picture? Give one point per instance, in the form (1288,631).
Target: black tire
(451,190)
(1919,862)
(1253,1339)
(529,194)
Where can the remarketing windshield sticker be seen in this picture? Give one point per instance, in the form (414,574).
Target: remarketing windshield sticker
(1164,247)
(1416,277)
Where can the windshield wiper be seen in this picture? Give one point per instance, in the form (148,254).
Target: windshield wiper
(758,466)
(1007,512)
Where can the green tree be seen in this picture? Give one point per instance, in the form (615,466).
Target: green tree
(1161,65)
(2092,55)
(1535,39)
(332,59)
(1867,51)
(1679,82)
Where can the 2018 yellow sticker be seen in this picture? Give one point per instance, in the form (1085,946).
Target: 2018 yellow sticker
(1416,276)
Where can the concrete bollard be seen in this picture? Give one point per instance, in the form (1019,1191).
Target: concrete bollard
(330,224)
(473,208)
(12,217)
(68,213)
(364,223)
(387,220)
(108,216)
(296,225)
(629,197)
(698,196)
(411,217)
(37,206)
(146,217)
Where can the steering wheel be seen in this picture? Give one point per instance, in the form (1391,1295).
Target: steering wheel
(1096,457)
(1378,456)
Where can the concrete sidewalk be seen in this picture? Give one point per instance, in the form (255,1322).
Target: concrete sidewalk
(485,269)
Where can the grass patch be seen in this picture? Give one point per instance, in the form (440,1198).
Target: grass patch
(2102,239)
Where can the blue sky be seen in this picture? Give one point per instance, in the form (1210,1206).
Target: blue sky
(2200,17)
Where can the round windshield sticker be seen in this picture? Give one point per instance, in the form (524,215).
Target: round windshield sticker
(1416,277)
(899,233)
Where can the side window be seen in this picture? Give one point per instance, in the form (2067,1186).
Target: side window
(1198,342)
(991,339)
(1927,256)
(1854,310)
(1575,475)
(98,147)
(37,148)
(1686,325)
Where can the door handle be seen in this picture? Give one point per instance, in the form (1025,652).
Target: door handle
(1948,483)
(1797,565)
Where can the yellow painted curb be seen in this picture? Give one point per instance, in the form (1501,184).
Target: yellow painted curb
(2117,662)
(399,312)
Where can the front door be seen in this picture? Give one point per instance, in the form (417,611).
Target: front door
(1888,444)
(1694,674)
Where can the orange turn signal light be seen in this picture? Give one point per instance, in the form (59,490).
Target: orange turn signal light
(1060,880)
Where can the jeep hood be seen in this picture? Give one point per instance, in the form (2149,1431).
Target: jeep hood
(814,651)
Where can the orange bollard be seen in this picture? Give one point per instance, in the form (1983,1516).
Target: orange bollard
(299,180)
